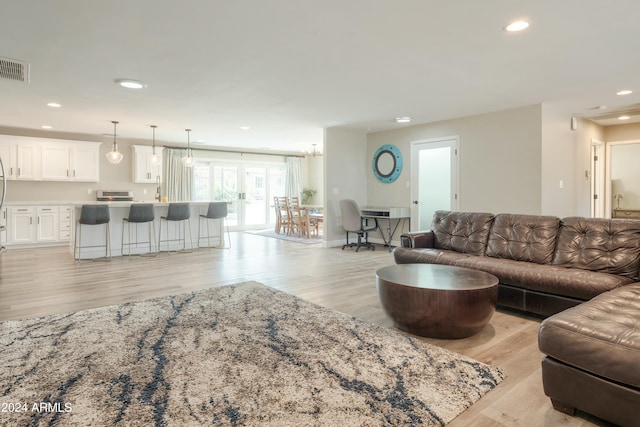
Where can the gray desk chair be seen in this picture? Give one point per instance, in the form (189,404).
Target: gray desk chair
(353,222)
(92,215)
(140,213)
(178,212)
(219,211)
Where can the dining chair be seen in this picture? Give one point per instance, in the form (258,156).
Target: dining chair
(282,215)
(296,218)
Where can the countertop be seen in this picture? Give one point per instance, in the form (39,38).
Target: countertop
(77,204)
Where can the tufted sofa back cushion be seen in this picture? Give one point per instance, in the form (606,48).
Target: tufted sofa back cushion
(465,232)
(598,244)
(529,238)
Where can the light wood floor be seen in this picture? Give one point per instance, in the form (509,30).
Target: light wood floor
(35,282)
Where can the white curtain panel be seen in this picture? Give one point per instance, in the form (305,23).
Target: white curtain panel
(179,178)
(293,181)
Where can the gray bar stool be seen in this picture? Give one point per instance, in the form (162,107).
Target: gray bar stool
(178,212)
(140,213)
(216,210)
(93,215)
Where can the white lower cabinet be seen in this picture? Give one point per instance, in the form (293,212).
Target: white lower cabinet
(3,226)
(21,226)
(47,224)
(38,224)
(64,225)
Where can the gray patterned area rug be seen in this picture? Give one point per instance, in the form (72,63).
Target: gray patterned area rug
(238,355)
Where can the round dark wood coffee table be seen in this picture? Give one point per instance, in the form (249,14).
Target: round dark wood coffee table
(437,301)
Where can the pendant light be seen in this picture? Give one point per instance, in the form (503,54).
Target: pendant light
(188,159)
(155,158)
(114,156)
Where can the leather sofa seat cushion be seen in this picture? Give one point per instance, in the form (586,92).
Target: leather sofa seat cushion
(567,282)
(529,238)
(601,336)
(427,256)
(598,244)
(465,232)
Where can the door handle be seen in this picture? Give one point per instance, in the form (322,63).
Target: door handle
(415,202)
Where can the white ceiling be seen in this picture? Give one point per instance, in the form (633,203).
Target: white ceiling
(289,68)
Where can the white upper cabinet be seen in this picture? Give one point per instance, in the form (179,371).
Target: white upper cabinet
(9,161)
(55,161)
(144,169)
(85,162)
(20,157)
(50,159)
(70,161)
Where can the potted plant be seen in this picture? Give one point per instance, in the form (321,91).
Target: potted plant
(307,195)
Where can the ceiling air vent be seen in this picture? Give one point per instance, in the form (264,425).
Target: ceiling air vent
(14,70)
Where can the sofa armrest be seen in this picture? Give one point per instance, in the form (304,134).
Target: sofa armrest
(417,239)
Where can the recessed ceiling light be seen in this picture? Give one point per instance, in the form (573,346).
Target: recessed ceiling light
(54,105)
(245,127)
(131,84)
(45,127)
(517,26)
(403,119)
(624,92)
(624,118)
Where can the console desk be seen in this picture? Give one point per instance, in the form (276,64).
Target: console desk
(626,213)
(400,215)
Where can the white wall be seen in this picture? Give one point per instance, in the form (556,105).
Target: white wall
(315,178)
(345,172)
(559,181)
(500,161)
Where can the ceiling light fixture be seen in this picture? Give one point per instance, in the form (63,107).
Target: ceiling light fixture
(313,152)
(188,159)
(624,92)
(517,26)
(45,127)
(403,119)
(154,157)
(245,127)
(54,105)
(131,84)
(624,118)
(114,156)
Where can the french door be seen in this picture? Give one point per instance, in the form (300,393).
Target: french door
(247,186)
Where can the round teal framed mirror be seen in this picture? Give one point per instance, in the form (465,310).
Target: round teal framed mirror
(387,163)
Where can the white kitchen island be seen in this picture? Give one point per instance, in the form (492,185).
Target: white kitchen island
(94,235)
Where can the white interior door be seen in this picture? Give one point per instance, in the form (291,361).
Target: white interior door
(434,179)
(598,194)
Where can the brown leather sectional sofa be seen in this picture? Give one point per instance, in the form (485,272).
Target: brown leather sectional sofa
(583,272)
